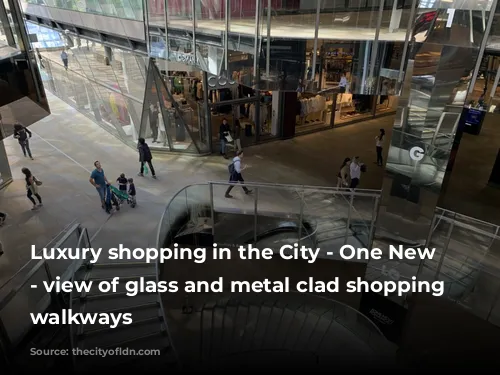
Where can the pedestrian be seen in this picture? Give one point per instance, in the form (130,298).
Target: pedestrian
(3,217)
(32,188)
(23,135)
(343,177)
(235,169)
(132,192)
(223,137)
(379,144)
(145,156)
(98,180)
(355,170)
(64,58)
(237,135)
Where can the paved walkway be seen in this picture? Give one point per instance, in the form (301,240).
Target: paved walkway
(65,145)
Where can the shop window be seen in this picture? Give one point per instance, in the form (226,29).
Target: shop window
(168,120)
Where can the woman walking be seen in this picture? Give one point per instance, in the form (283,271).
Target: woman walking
(343,177)
(379,143)
(145,157)
(32,188)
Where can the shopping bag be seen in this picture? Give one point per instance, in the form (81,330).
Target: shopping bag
(228,138)
(146,170)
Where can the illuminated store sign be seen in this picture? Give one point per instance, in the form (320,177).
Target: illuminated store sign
(218,82)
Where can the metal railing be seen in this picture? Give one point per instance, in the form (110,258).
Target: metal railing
(459,268)
(25,293)
(83,242)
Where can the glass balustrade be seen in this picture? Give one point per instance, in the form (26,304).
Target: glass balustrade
(467,250)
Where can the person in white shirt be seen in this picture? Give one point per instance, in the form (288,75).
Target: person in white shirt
(379,144)
(343,83)
(355,170)
(235,176)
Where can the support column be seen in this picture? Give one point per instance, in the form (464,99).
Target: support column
(207,112)
(4,19)
(419,150)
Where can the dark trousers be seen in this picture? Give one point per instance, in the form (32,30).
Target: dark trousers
(354,183)
(25,146)
(379,156)
(237,177)
(151,168)
(65,62)
(30,197)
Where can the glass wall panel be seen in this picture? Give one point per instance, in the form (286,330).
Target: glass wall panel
(129,9)
(156,12)
(105,84)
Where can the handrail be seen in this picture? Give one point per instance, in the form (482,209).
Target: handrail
(347,191)
(74,264)
(28,262)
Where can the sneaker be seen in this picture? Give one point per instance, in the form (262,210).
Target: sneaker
(154,177)
(40,205)
(228,196)
(248,192)
(31,157)
(34,208)
(140,174)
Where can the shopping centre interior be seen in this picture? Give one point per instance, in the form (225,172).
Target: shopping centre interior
(311,83)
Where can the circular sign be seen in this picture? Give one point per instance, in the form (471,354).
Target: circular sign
(416,153)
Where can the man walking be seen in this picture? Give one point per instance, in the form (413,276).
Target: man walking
(64,58)
(98,180)
(22,134)
(235,176)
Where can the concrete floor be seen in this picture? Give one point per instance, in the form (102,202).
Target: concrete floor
(66,143)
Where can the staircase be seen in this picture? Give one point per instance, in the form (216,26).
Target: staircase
(302,331)
(147,332)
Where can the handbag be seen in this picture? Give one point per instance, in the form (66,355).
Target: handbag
(37,182)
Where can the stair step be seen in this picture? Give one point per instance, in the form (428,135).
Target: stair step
(108,304)
(125,335)
(122,272)
(123,278)
(140,316)
(122,263)
(120,289)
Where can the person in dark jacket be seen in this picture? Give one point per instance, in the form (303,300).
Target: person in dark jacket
(22,134)
(145,157)
(223,133)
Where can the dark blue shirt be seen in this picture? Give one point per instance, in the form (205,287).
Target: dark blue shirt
(131,190)
(98,177)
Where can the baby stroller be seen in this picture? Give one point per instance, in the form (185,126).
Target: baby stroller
(123,196)
(111,200)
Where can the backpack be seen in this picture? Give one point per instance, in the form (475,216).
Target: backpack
(231,169)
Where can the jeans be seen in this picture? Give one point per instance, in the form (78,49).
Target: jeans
(30,197)
(101,190)
(151,168)
(25,146)
(379,156)
(237,177)
(223,146)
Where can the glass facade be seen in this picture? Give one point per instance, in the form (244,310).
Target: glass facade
(22,96)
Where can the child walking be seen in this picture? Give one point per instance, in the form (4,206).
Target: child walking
(122,183)
(131,192)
